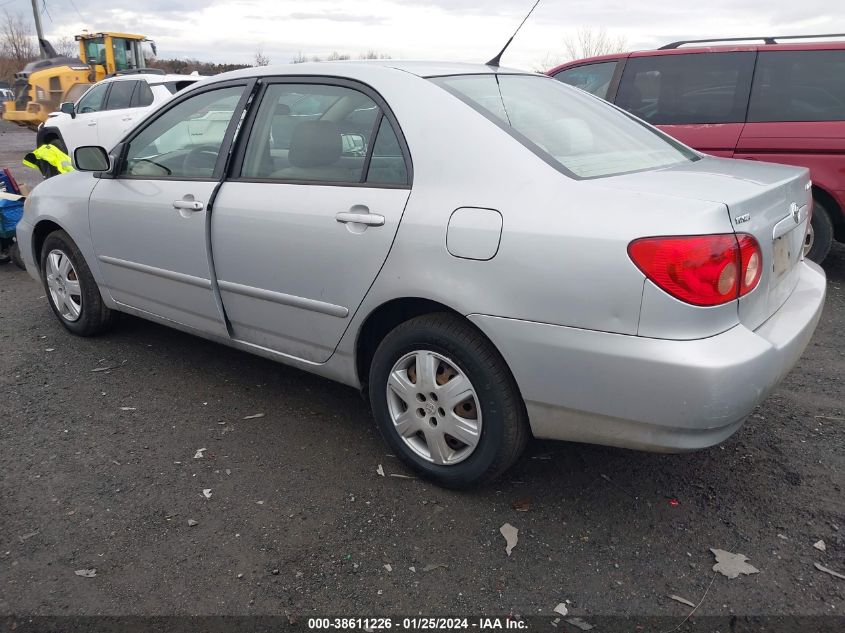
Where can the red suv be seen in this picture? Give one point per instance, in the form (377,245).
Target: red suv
(775,101)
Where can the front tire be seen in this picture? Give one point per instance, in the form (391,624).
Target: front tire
(819,236)
(71,289)
(446,402)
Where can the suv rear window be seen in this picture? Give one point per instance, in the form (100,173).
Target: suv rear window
(798,86)
(692,88)
(577,133)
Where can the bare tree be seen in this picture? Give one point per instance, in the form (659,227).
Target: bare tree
(588,43)
(336,56)
(260,59)
(585,42)
(16,41)
(371,54)
(67,47)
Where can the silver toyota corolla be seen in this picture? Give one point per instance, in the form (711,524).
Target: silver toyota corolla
(487,254)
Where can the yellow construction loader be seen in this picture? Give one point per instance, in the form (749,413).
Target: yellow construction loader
(45,83)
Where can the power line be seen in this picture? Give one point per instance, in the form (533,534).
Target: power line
(73,4)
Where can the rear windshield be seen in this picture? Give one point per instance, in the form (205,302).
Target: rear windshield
(575,132)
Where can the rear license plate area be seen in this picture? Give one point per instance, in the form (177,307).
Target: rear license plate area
(781,257)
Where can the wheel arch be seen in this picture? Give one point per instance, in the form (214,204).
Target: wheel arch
(47,135)
(380,321)
(388,315)
(42,229)
(831,206)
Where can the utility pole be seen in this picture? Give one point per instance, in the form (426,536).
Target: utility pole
(38,29)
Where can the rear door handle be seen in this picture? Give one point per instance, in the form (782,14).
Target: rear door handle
(351,217)
(186,204)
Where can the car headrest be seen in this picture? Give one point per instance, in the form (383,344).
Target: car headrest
(315,144)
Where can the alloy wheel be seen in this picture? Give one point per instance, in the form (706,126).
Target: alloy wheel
(63,285)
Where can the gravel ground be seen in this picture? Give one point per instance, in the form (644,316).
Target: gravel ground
(15,142)
(99,472)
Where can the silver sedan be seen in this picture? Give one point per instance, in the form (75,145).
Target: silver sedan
(487,254)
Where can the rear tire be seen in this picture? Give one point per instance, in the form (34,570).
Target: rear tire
(72,292)
(819,235)
(459,434)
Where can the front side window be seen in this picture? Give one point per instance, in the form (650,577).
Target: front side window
(185,141)
(798,86)
(592,78)
(93,100)
(578,134)
(310,132)
(687,88)
(120,95)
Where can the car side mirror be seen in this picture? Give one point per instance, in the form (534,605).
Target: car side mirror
(68,108)
(91,158)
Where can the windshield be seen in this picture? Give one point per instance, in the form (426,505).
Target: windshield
(577,133)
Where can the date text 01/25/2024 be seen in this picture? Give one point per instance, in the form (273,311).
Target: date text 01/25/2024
(416,623)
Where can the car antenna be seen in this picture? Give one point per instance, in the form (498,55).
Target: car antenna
(495,61)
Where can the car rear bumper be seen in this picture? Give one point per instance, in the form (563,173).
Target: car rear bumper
(653,394)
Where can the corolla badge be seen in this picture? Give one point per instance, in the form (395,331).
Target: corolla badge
(795,211)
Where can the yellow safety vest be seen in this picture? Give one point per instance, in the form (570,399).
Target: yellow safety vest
(50,155)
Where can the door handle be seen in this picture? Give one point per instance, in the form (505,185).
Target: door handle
(126,118)
(352,217)
(188,204)
(92,124)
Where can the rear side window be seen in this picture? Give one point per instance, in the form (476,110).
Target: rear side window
(322,133)
(143,96)
(798,86)
(685,89)
(593,78)
(120,95)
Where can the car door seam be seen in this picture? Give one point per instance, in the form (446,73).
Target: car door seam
(209,248)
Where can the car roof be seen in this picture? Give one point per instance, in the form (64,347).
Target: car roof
(154,78)
(713,48)
(361,68)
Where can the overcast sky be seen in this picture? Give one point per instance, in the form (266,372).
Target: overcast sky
(461,30)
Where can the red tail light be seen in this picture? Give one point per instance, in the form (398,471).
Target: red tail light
(704,270)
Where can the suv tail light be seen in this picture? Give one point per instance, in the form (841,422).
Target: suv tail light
(704,270)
